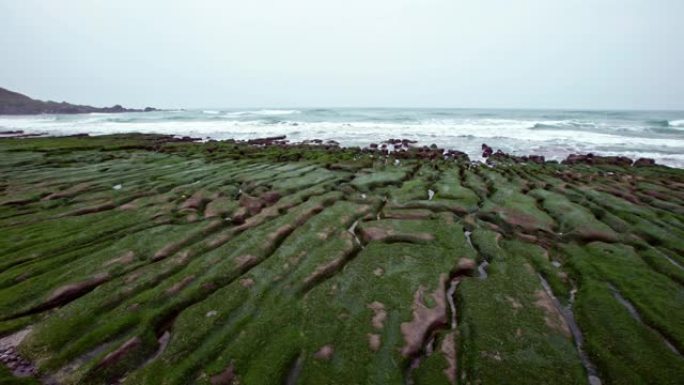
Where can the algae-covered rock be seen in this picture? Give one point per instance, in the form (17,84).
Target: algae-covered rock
(148,259)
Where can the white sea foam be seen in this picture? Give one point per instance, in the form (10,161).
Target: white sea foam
(552,134)
(676,123)
(264,112)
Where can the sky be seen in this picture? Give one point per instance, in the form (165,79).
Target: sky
(576,54)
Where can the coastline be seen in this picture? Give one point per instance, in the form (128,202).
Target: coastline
(390,148)
(552,134)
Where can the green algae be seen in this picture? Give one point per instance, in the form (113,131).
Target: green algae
(148,260)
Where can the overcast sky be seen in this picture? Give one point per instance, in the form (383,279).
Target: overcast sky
(597,54)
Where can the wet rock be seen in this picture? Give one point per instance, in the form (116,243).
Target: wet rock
(17,132)
(644,162)
(538,159)
(267,140)
(592,159)
(486,151)
(621,161)
(579,158)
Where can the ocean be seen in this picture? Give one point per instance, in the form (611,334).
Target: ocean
(551,133)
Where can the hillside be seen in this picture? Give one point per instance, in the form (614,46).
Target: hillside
(14,103)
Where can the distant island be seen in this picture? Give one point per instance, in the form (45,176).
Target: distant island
(14,103)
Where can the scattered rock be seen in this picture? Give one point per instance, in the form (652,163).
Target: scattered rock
(644,162)
(465,266)
(515,304)
(325,353)
(267,141)
(374,341)
(379,314)
(486,151)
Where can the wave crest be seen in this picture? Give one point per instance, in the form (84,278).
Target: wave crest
(676,123)
(263,112)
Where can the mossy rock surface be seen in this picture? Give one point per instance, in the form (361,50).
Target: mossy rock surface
(139,259)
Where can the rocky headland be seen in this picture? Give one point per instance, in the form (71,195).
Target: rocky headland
(14,103)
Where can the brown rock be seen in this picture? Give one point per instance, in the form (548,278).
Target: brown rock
(122,351)
(486,151)
(644,162)
(465,266)
(68,293)
(125,259)
(552,317)
(226,377)
(374,342)
(425,319)
(379,314)
(448,349)
(270,197)
(244,261)
(178,286)
(252,204)
(325,353)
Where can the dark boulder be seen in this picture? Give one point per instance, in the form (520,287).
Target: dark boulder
(486,151)
(644,162)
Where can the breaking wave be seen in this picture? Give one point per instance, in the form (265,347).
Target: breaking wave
(554,134)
